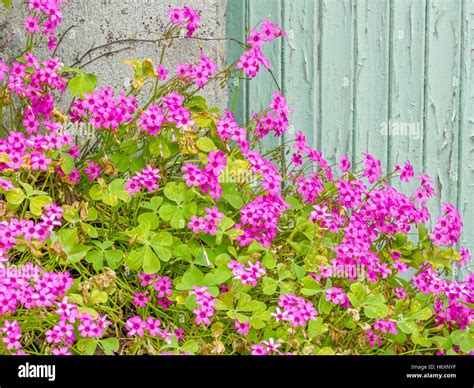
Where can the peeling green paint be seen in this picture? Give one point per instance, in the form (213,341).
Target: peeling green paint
(394,77)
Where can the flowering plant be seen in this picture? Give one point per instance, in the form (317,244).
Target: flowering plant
(170,231)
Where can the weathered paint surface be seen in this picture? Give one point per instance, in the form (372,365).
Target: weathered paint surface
(466,126)
(393,77)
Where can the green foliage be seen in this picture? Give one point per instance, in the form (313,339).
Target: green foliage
(82,84)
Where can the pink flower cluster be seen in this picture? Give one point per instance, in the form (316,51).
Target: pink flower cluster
(406,172)
(373,170)
(29,287)
(14,229)
(32,78)
(266,348)
(205,305)
(228,129)
(92,326)
(162,72)
(171,110)
(350,192)
(375,212)
(265,168)
(315,156)
(152,120)
(185,17)
(36,82)
(103,109)
(326,219)
(146,179)
(208,223)
(207,179)
(381,328)
(161,284)
(199,73)
(309,188)
(449,297)
(385,211)
(247,274)
(176,111)
(425,191)
(337,296)
(296,310)
(276,120)
(386,326)
(253,58)
(137,326)
(466,256)
(11,335)
(45,18)
(448,228)
(259,220)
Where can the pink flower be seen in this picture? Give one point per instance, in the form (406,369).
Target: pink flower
(3,69)
(93,170)
(179,333)
(62,351)
(253,58)
(373,169)
(162,72)
(146,279)
(242,328)
(163,286)
(344,164)
(152,120)
(406,172)
(153,326)
(39,162)
(205,303)
(296,310)
(337,296)
(32,25)
(249,274)
(259,350)
(448,228)
(146,179)
(135,326)
(140,299)
(400,293)
(103,109)
(196,224)
(186,17)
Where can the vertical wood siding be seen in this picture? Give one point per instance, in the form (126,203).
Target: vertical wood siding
(394,77)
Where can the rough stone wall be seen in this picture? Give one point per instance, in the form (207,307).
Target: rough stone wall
(99,22)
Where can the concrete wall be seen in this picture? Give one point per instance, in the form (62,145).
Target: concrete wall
(98,22)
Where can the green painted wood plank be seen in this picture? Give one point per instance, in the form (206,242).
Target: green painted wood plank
(440,157)
(466,130)
(301,82)
(406,92)
(336,100)
(262,87)
(372,78)
(349,66)
(236,25)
